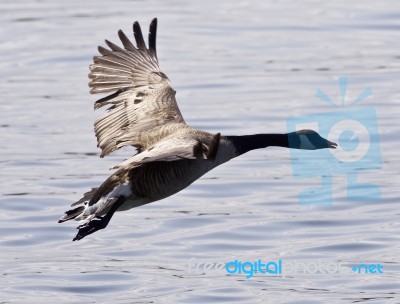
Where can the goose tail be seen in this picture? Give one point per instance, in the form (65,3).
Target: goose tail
(98,205)
(78,211)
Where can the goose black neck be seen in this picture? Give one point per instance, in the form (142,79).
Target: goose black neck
(246,143)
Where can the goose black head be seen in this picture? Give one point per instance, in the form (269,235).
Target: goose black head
(309,140)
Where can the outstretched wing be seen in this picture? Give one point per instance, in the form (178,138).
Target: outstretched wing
(143,106)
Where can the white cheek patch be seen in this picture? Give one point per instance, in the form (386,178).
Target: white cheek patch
(305,143)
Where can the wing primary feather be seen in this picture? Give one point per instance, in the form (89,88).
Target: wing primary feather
(114,47)
(118,55)
(126,42)
(152,37)
(139,36)
(103,51)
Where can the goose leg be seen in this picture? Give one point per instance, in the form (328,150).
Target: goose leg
(98,222)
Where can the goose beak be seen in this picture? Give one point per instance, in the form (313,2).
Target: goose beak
(331,145)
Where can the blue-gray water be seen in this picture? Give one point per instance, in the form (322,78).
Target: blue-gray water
(238,67)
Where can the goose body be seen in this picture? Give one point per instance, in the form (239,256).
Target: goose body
(143,113)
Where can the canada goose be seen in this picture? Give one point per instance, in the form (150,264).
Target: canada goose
(143,113)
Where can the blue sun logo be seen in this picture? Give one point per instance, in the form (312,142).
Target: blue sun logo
(355,130)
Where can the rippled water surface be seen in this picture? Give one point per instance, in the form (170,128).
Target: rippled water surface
(238,67)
